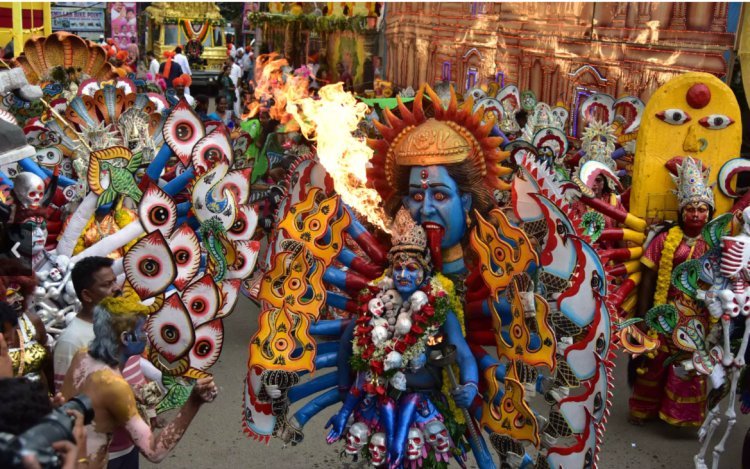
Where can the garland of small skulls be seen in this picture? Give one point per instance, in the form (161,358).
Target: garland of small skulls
(391,332)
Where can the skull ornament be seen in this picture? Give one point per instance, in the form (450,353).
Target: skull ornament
(437,436)
(403,324)
(415,444)
(376,307)
(391,299)
(28,189)
(417,300)
(357,437)
(377,449)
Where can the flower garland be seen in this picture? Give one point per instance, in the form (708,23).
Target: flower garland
(367,356)
(664,278)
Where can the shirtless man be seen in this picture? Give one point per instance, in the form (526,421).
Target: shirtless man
(119,334)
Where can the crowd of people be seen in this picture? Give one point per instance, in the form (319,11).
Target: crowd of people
(99,355)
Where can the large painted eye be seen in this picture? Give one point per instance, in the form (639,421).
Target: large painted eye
(186,248)
(149,266)
(674,116)
(716,122)
(244,225)
(209,339)
(157,211)
(170,330)
(182,130)
(210,150)
(202,300)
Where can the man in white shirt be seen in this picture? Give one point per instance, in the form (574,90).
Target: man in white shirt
(153,65)
(93,280)
(182,60)
(246,64)
(235,74)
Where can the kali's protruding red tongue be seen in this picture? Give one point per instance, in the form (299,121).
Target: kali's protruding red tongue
(434,239)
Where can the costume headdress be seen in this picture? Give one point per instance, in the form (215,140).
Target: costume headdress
(409,240)
(454,135)
(130,303)
(691,181)
(598,141)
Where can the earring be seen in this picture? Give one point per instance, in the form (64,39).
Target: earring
(468,220)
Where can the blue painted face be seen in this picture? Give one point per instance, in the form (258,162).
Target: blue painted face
(135,341)
(407,276)
(434,198)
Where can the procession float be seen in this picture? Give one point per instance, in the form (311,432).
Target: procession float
(447,279)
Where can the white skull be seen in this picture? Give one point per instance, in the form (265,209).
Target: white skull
(392,299)
(376,306)
(417,300)
(403,324)
(398,381)
(392,360)
(377,449)
(357,437)
(379,335)
(437,436)
(415,444)
(55,275)
(28,189)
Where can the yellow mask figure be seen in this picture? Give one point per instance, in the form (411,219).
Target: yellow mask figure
(694,115)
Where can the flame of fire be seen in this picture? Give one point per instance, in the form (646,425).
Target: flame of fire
(331,121)
(282,87)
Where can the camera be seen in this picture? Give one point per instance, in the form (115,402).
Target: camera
(37,440)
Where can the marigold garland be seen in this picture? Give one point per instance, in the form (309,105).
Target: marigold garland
(664,278)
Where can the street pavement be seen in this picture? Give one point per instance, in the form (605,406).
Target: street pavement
(215,438)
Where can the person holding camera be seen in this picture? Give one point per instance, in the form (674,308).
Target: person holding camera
(119,334)
(32,433)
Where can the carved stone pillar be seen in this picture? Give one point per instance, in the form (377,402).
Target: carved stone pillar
(679,16)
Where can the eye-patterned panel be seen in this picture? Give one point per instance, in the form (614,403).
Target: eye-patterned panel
(209,339)
(230,293)
(245,223)
(186,249)
(246,253)
(157,211)
(210,150)
(202,300)
(149,265)
(182,131)
(170,330)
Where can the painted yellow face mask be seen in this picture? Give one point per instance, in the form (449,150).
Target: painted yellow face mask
(694,115)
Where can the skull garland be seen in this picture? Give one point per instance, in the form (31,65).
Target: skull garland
(438,438)
(357,438)
(416,450)
(377,449)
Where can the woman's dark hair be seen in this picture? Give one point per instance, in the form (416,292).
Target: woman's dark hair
(25,403)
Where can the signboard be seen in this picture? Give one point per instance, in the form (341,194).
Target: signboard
(124,22)
(78,20)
